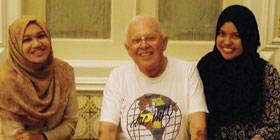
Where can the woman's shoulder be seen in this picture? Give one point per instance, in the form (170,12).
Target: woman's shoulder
(60,64)
(63,70)
(208,62)
(7,72)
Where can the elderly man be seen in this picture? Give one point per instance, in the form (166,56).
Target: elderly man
(155,97)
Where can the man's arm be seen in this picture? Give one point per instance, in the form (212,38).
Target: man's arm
(197,125)
(107,131)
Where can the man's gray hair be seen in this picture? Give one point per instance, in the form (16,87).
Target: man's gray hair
(159,28)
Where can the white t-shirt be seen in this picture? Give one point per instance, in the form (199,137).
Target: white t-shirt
(153,108)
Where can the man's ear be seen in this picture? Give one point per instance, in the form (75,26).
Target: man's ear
(164,42)
(127,48)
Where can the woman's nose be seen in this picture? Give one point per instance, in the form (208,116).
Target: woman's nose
(36,43)
(228,40)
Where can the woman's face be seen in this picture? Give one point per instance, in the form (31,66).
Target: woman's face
(36,45)
(229,42)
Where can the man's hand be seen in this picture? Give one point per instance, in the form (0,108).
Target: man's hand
(197,123)
(27,135)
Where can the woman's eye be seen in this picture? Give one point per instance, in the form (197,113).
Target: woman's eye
(42,36)
(236,35)
(26,40)
(221,33)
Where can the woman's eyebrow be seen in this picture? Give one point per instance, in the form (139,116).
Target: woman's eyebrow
(27,35)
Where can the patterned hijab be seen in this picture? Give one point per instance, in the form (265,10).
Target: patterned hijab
(30,93)
(234,88)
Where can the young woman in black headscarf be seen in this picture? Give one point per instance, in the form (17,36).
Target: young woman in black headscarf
(242,90)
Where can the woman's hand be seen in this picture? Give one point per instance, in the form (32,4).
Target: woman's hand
(27,135)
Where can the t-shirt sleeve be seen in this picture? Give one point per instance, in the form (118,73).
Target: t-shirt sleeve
(112,99)
(197,102)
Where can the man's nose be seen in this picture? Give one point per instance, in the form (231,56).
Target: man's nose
(144,43)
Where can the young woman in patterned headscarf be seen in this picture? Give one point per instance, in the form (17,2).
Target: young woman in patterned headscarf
(242,90)
(37,91)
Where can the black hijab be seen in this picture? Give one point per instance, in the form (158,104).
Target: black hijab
(234,88)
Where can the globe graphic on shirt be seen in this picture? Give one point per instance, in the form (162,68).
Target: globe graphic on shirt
(153,117)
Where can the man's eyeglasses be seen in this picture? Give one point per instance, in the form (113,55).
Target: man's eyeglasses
(150,39)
